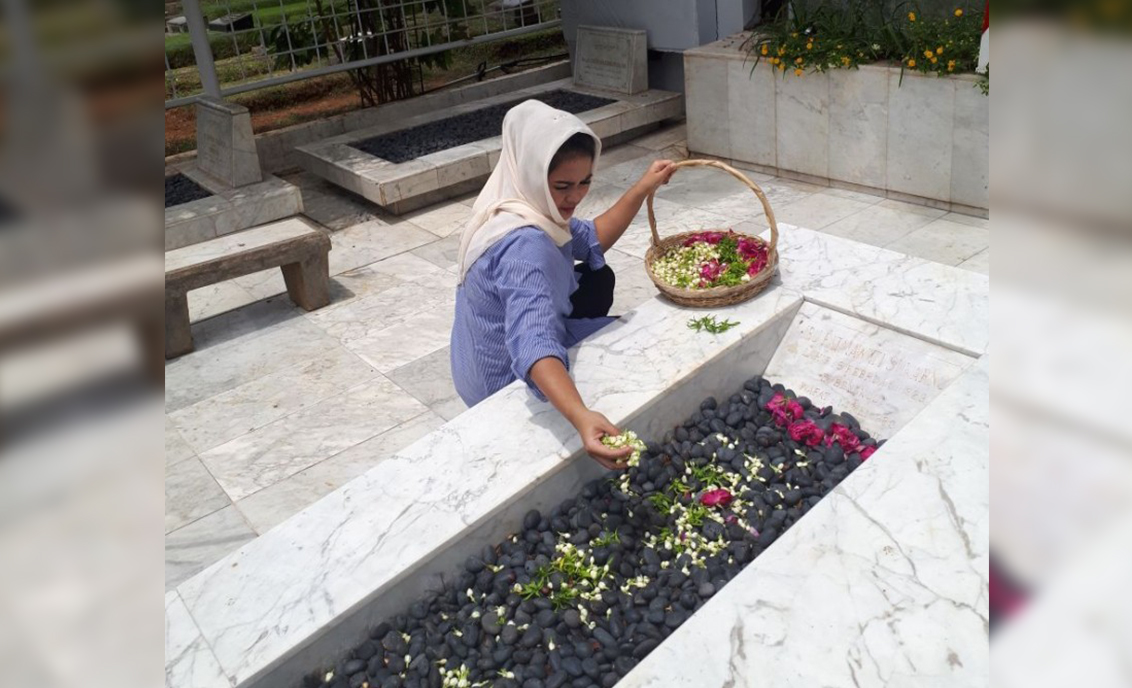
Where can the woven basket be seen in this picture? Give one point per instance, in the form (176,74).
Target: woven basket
(714,296)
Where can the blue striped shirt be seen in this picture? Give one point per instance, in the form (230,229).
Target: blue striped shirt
(512,309)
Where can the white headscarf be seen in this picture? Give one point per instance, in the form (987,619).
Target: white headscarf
(517,194)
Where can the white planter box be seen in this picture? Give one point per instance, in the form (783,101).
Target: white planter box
(925,139)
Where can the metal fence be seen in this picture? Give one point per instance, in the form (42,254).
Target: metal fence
(224,47)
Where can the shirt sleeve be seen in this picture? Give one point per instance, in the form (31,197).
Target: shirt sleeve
(585,245)
(532,328)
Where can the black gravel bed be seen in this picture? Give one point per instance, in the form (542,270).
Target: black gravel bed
(485,123)
(578,596)
(179,189)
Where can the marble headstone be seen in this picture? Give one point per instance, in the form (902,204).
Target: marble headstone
(611,59)
(225,143)
(884,378)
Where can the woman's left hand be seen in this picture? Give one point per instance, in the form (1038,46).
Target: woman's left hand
(658,174)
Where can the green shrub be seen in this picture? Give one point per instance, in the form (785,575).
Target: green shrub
(828,35)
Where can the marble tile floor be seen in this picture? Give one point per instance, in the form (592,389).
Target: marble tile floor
(277,407)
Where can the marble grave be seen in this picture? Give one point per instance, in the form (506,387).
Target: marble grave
(882,582)
(227,165)
(403,187)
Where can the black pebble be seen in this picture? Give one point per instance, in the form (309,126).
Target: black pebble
(572,666)
(644,647)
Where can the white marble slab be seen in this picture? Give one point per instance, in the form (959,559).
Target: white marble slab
(272,505)
(802,123)
(176,449)
(413,338)
(705,93)
(751,113)
(944,241)
(817,210)
(878,225)
(920,125)
(970,154)
(190,493)
(218,298)
(858,126)
(282,448)
(228,415)
(372,241)
(880,376)
(188,661)
(883,583)
(207,372)
(190,549)
(429,380)
(360,318)
(934,302)
(373,529)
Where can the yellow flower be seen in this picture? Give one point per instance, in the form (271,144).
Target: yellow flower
(809,46)
(764,50)
(939,50)
(797,60)
(774,60)
(782,66)
(951,65)
(934,60)
(845,60)
(911,16)
(928,54)
(911,62)
(781,50)
(797,72)
(958,13)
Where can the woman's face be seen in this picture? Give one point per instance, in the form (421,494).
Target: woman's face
(570,182)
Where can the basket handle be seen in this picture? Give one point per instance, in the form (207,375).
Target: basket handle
(738,175)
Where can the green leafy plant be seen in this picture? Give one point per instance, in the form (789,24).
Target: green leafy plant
(708,474)
(939,45)
(695,514)
(662,502)
(828,35)
(679,487)
(606,539)
(708,323)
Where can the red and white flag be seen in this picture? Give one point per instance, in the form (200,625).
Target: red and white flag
(984,44)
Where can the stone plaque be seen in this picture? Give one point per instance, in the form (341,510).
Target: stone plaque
(611,59)
(225,143)
(884,378)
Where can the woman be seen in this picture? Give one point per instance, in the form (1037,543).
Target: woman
(522,302)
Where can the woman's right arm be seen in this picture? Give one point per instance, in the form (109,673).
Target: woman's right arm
(554,382)
(534,334)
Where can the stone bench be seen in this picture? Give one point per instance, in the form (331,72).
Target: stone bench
(296,247)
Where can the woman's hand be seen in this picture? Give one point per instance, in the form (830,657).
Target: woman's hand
(592,426)
(658,174)
(550,375)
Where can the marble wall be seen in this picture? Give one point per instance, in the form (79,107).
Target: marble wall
(875,128)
